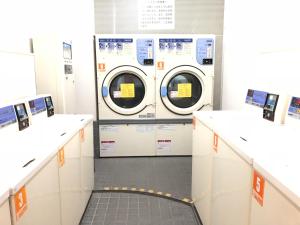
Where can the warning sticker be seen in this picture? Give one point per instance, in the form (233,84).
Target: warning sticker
(173,94)
(163,145)
(166,127)
(117,94)
(184,90)
(109,128)
(127,90)
(107,145)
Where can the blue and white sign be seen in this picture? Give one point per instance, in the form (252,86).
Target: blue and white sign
(113,43)
(145,51)
(205,51)
(37,106)
(174,43)
(7,116)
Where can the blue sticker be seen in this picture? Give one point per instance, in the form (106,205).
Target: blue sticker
(163,91)
(37,106)
(104,91)
(205,51)
(145,51)
(256,98)
(7,116)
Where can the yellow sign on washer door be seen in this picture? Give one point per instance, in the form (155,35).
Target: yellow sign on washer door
(184,90)
(127,90)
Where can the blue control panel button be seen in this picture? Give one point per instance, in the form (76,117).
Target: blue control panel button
(145,51)
(163,91)
(104,91)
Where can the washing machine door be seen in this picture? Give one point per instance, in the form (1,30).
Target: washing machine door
(183,90)
(124,90)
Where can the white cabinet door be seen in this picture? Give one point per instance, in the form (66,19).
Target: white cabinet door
(87,164)
(42,198)
(5,213)
(276,209)
(70,183)
(231,187)
(202,170)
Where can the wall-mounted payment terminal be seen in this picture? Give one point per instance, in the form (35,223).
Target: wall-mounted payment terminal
(270,107)
(22,116)
(49,106)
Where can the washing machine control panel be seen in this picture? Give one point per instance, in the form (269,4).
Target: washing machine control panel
(37,106)
(145,51)
(270,107)
(205,51)
(294,108)
(256,98)
(49,106)
(7,116)
(116,46)
(176,46)
(22,116)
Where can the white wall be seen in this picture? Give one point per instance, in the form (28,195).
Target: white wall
(22,20)
(261,48)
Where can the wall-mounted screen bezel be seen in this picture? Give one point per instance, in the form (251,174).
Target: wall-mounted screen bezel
(37,106)
(256,98)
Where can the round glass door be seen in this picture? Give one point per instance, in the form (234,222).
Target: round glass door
(184,90)
(127,90)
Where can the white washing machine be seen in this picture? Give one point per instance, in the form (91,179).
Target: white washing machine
(126,94)
(184,84)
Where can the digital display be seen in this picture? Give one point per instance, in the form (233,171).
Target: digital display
(7,116)
(257,98)
(37,106)
(49,103)
(271,102)
(67,51)
(294,108)
(21,112)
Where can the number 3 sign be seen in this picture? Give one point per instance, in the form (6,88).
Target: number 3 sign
(20,202)
(258,187)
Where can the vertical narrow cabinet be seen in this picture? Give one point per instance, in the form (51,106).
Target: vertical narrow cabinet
(70,181)
(5,213)
(87,163)
(231,187)
(38,201)
(202,170)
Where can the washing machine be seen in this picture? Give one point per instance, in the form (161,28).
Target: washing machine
(126,94)
(184,84)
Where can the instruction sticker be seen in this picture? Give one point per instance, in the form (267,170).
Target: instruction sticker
(20,200)
(61,157)
(173,94)
(258,187)
(184,90)
(109,128)
(215,142)
(107,145)
(127,90)
(166,127)
(163,145)
(117,94)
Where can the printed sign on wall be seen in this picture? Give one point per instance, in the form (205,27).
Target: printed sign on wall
(156,14)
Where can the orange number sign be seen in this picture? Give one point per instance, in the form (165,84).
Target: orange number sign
(61,157)
(20,200)
(258,187)
(215,143)
(81,135)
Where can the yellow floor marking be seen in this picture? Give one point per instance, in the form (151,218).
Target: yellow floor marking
(133,189)
(142,189)
(150,191)
(168,195)
(159,193)
(124,188)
